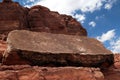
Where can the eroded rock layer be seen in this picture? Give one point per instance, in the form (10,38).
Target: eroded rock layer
(43,20)
(27,72)
(46,73)
(12,16)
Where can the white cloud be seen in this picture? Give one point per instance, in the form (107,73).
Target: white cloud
(115,45)
(27,2)
(92,23)
(99,17)
(113,41)
(70,6)
(80,17)
(30,0)
(109,35)
(108,6)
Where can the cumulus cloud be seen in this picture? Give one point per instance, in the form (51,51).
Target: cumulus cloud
(80,17)
(115,45)
(92,23)
(113,40)
(109,4)
(70,7)
(109,35)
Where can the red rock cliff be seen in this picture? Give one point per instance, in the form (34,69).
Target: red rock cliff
(42,19)
(38,18)
(12,16)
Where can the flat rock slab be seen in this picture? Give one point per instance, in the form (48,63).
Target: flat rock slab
(57,49)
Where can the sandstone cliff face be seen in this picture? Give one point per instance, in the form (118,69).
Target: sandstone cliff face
(38,18)
(44,20)
(12,16)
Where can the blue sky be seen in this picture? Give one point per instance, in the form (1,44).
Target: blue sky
(101,18)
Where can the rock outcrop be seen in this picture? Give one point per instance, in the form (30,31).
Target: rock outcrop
(46,73)
(12,16)
(53,40)
(47,49)
(113,72)
(38,18)
(43,20)
(27,72)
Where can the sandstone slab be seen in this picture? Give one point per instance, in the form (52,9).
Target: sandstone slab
(46,49)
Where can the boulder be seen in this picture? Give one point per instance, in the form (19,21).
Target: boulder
(46,73)
(42,19)
(46,49)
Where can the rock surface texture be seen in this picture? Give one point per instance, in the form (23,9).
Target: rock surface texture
(3,47)
(12,16)
(113,72)
(26,72)
(57,49)
(43,20)
(46,73)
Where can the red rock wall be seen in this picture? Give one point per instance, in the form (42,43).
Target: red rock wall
(12,16)
(38,18)
(46,73)
(42,19)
